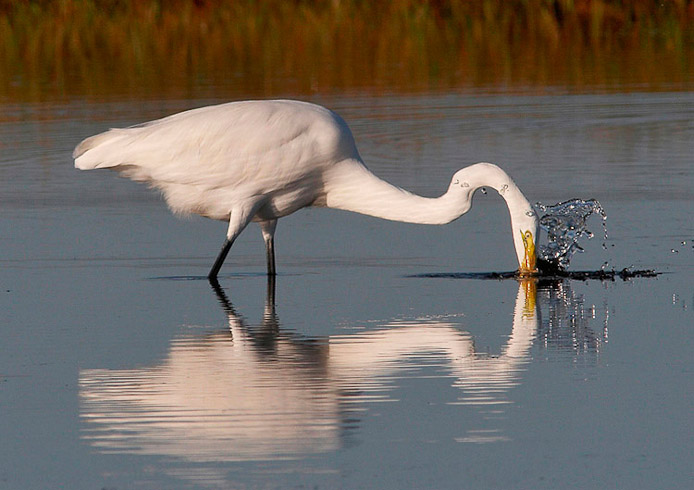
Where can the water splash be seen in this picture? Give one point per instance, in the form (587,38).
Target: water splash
(565,224)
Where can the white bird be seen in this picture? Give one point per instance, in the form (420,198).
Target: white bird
(262,160)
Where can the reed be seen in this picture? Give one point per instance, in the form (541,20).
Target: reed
(264,47)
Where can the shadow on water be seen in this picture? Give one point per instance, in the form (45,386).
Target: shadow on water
(548,276)
(253,392)
(205,278)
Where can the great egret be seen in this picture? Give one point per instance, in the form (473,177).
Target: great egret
(262,160)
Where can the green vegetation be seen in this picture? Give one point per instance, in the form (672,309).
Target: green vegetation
(176,47)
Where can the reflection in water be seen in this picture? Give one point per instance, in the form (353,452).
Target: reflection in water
(258,392)
(567,325)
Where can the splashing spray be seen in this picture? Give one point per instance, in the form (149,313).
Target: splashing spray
(565,224)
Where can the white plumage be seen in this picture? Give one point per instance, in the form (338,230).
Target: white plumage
(262,160)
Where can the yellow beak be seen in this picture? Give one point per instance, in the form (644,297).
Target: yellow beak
(528,267)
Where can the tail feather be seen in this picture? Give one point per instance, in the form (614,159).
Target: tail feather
(94,152)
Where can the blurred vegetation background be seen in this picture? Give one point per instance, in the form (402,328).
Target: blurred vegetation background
(62,48)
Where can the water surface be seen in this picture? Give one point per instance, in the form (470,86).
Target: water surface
(116,373)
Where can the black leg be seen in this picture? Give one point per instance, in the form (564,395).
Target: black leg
(220,260)
(270,251)
(270,297)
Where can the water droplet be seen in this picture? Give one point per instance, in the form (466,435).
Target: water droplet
(674,251)
(565,224)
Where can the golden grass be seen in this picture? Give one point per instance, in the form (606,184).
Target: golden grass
(265,47)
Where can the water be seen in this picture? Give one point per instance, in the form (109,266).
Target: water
(360,368)
(565,224)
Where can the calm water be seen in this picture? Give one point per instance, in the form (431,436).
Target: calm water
(117,372)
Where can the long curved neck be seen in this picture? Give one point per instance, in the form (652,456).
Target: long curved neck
(352,187)
(489,175)
(523,218)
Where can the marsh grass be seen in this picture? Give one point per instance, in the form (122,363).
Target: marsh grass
(264,47)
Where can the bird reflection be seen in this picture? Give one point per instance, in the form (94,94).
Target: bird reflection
(258,392)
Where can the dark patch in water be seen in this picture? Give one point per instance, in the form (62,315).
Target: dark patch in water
(558,274)
(178,278)
(205,278)
(601,275)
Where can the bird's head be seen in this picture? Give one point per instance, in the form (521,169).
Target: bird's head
(527,266)
(524,224)
(525,235)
